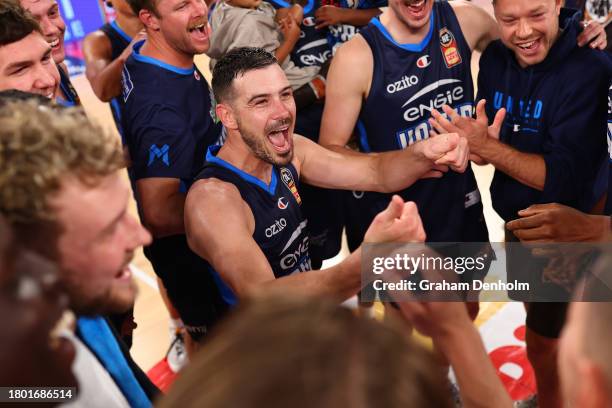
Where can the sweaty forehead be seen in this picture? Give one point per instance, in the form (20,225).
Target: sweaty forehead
(31,48)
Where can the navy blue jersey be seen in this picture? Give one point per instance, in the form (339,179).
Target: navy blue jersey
(168,124)
(408,82)
(312,48)
(119,41)
(555,109)
(280,227)
(168,118)
(609,138)
(72,98)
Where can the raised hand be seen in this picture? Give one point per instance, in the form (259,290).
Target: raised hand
(399,222)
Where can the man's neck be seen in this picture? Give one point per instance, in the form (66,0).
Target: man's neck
(129,24)
(400,32)
(239,155)
(157,47)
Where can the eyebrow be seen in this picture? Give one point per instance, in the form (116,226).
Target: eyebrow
(288,87)
(25,63)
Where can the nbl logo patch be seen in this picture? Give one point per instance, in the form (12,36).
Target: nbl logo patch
(449,48)
(287,179)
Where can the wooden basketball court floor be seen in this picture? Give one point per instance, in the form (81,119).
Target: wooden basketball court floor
(151,338)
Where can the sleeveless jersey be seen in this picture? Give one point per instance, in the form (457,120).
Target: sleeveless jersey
(280,227)
(119,42)
(72,98)
(408,82)
(312,48)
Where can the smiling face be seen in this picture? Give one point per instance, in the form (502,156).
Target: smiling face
(264,111)
(27,65)
(183,25)
(97,243)
(414,14)
(528,27)
(53,27)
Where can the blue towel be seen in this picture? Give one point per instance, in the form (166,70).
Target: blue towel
(100,340)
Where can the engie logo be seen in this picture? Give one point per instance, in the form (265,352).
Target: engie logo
(424,61)
(282,203)
(448,97)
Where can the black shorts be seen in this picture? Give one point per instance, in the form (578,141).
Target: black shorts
(543,317)
(189,284)
(546,319)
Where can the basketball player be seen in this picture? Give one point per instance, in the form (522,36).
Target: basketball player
(47,13)
(168,123)
(243,212)
(26,63)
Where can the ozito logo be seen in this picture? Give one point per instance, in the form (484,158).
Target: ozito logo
(282,203)
(275,228)
(424,61)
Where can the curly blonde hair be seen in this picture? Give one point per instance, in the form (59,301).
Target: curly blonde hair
(42,145)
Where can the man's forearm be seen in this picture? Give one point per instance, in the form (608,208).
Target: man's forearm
(400,169)
(339,282)
(478,381)
(168,218)
(527,168)
(107,83)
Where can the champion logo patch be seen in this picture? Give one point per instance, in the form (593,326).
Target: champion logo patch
(282,203)
(309,21)
(196,75)
(424,61)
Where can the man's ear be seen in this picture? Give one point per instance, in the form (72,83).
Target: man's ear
(225,113)
(149,19)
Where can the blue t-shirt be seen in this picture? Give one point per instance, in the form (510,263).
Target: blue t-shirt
(168,118)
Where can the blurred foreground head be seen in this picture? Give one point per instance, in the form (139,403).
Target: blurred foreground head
(292,352)
(63,195)
(31,309)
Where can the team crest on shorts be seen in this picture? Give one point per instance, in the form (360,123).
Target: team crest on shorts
(287,179)
(449,48)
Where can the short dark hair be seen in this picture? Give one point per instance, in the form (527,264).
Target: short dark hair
(138,5)
(235,63)
(15,22)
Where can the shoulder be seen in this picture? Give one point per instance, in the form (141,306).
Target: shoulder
(356,50)
(212,194)
(96,39)
(467,12)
